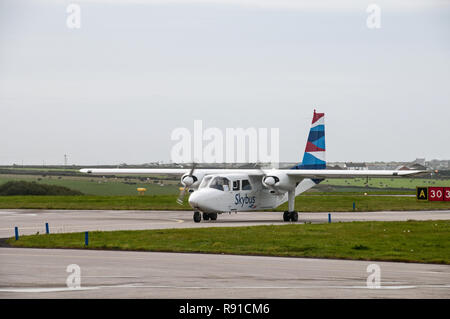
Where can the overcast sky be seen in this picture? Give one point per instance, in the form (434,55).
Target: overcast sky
(113,90)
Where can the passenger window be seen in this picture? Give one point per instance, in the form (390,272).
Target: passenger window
(246,185)
(236,185)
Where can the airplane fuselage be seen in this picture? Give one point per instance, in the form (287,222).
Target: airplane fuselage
(232,193)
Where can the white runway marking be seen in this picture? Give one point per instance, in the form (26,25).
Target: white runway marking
(58,289)
(58,227)
(64,289)
(40,290)
(15,214)
(282,287)
(7,213)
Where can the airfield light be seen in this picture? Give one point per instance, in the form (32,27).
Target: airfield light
(141,190)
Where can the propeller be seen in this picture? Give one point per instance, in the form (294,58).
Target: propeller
(188,180)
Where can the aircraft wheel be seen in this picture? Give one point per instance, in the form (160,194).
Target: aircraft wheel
(213,216)
(294,216)
(197,217)
(286,216)
(206,216)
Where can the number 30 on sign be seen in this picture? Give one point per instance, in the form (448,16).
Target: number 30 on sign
(435,193)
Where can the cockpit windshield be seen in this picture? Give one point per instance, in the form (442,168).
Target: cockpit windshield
(220,183)
(205,181)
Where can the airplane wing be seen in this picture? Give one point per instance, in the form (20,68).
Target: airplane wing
(135,171)
(167,171)
(299,173)
(327,173)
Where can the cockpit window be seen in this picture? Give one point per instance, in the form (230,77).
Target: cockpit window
(220,183)
(246,185)
(205,182)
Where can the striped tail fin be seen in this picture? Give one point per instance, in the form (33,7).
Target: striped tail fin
(314,157)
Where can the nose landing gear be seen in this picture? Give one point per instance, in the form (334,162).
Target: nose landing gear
(197,217)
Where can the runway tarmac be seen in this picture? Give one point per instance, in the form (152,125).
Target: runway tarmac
(41,273)
(62,221)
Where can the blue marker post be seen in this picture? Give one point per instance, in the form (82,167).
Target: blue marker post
(86,238)
(16,231)
(329,218)
(354,206)
(46,229)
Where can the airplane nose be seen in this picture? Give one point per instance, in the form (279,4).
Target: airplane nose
(201,200)
(193,199)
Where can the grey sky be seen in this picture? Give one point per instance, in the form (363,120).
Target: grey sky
(114,90)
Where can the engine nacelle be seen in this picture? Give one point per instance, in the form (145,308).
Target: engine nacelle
(192,181)
(278,182)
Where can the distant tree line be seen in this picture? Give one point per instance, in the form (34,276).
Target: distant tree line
(33,188)
(39,172)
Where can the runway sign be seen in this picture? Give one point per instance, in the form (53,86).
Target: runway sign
(447,194)
(422,193)
(435,193)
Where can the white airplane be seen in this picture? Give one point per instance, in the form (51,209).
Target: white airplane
(217,191)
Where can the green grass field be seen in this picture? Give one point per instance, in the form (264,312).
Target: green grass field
(95,185)
(136,202)
(304,203)
(404,183)
(98,185)
(412,241)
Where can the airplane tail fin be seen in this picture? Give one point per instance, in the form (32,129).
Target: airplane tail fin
(314,157)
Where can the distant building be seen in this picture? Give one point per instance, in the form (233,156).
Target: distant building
(437,164)
(356,166)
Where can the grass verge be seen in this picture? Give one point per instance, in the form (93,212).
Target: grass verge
(411,241)
(304,203)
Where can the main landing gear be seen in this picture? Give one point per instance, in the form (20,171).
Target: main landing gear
(290,216)
(206,216)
